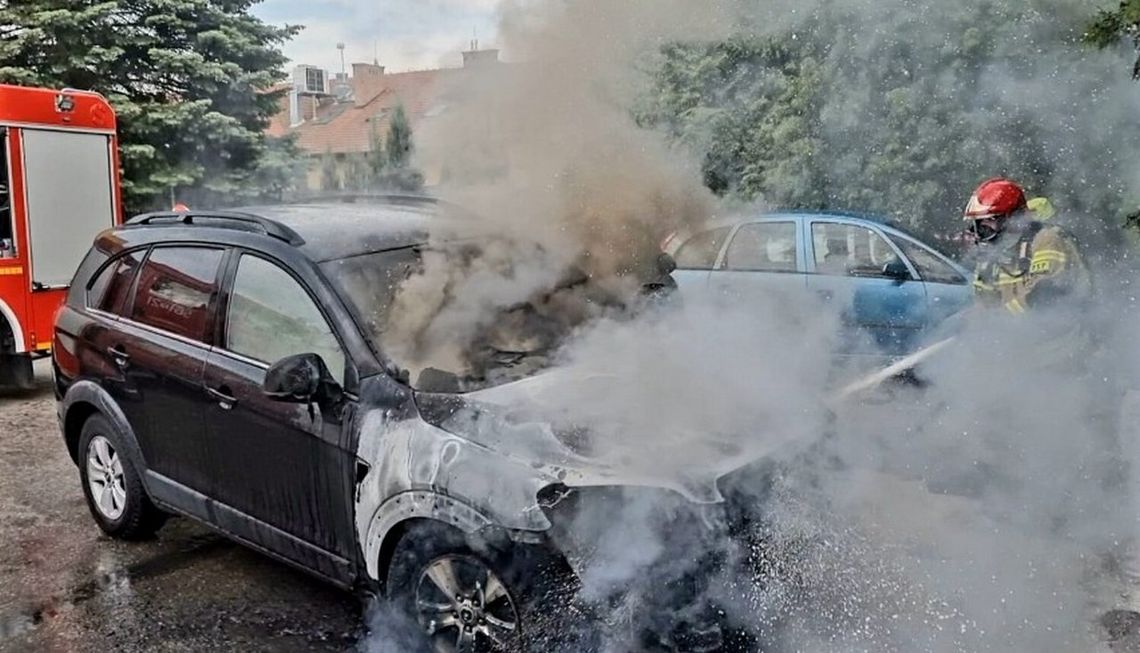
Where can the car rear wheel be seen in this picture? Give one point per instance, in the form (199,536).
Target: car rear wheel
(470,598)
(112,485)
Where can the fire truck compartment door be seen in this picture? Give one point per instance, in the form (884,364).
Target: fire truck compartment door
(69,182)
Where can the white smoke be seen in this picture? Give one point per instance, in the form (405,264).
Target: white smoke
(983,512)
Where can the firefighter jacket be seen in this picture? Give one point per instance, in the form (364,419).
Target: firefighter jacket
(1042,267)
(1041,272)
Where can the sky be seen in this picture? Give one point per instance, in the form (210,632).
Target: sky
(408,34)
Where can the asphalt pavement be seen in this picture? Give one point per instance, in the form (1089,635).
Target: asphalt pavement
(64,586)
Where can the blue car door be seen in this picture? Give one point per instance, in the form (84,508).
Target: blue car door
(881,314)
(763,261)
(948,285)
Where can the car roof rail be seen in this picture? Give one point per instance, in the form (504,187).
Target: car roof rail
(269,227)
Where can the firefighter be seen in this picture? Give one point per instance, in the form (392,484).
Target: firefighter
(1022,263)
(1033,269)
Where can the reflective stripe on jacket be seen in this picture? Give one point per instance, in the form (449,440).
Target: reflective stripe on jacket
(1045,270)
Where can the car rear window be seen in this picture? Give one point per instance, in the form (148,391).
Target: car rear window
(109,290)
(176,289)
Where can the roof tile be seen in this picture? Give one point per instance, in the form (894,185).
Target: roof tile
(344,127)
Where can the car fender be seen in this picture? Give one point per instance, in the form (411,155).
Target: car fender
(416,504)
(91,394)
(417,470)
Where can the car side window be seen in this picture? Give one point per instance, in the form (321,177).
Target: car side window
(764,247)
(700,251)
(929,265)
(849,250)
(109,290)
(271,316)
(176,290)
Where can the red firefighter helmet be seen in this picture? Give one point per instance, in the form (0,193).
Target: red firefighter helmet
(995,198)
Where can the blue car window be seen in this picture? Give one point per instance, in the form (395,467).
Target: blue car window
(699,253)
(930,267)
(848,250)
(763,247)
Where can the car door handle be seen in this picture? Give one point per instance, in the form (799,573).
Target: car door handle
(825,295)
(121,358)
(222,396)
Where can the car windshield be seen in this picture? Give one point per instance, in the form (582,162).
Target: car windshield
(387,292)
(369,283)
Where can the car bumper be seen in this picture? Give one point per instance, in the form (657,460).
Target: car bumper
(671,563)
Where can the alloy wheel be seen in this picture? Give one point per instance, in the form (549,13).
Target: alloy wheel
(464,607)
(105,478)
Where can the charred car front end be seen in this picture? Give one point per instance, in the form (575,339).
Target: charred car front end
(650,554)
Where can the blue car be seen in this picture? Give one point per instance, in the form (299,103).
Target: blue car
(891,289)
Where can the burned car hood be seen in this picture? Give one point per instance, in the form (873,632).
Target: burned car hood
(529,421)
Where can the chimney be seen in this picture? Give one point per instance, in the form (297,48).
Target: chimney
(475,57)
(341,87)
(367,82)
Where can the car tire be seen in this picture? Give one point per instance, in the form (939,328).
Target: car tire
(112,486)
(534,590)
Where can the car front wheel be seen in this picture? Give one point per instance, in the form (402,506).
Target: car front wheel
(477,599)
(112,485)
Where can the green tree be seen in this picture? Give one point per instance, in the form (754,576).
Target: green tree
(1113,25)
(190,80)
(358,173)
(901,107)
(377,156)
(398,144)
(330,175)
(390,159)
(279,174)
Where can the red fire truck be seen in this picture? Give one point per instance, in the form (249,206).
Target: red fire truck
(59,187)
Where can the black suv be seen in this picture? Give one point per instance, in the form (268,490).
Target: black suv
(228,367)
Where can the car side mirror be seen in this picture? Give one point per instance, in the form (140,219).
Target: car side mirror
(300,378)
(666,264)
(896,269)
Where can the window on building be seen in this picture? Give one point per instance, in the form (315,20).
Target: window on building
(314,80)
